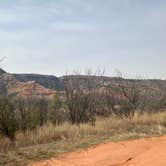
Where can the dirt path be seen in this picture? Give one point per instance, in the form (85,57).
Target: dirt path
(143,152)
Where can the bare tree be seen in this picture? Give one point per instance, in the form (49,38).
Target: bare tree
(81,107)
(81,97)
(126,100)
(154,98)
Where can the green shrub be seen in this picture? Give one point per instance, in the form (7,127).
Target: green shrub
(57,114)
(8,125)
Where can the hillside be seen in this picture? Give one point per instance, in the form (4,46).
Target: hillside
(10,85)
(48,81)
(101,81)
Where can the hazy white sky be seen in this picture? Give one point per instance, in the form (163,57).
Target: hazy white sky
(55,36)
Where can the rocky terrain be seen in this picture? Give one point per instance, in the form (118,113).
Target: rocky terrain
(10,85)
(37,84)
(48,81)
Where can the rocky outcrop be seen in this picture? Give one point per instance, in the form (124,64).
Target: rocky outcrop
(31,88)
(10,85)
(50,82)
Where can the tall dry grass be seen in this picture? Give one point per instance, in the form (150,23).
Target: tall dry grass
(49,139)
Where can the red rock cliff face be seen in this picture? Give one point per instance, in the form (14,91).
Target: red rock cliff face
(33,89)
(30,88)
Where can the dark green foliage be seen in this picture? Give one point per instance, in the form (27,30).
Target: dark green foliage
(31,112)
(41,105)
(8,125)
(56,102)
(57,114)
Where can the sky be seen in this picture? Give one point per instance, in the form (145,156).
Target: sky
(58,36)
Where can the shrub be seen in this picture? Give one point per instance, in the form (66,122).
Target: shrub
(81,106)
(57,114)
(8,125)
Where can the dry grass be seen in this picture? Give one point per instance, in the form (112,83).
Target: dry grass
(51,140)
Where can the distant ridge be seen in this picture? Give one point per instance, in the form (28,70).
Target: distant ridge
(47,84)
(48,81)
(10,85)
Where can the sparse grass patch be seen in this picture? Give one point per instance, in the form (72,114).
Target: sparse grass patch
(50,140)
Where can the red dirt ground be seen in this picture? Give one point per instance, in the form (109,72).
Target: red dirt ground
(142,152)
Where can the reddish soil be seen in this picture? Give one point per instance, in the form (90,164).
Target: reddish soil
(24,89)
(142,152)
